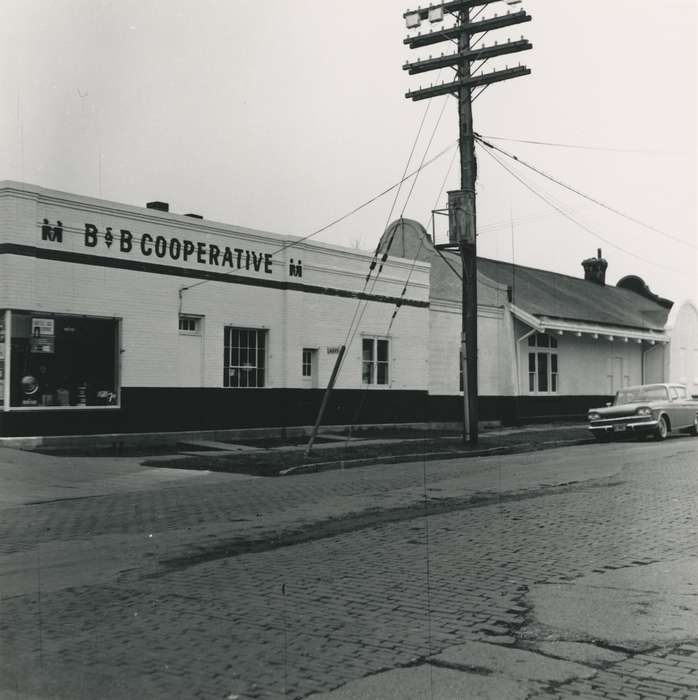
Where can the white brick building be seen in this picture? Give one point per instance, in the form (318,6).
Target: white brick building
(124,318)
(116,318)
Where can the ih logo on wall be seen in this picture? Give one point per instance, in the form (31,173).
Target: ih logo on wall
(52,233)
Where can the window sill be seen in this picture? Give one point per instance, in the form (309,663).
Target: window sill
(11,409)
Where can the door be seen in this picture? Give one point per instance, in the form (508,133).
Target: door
(190,362)
(615,376)
(309,368)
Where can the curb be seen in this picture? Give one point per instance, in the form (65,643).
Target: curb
(429,456)
(149,439)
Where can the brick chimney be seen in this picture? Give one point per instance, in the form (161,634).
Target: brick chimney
(159,206)
(595,269)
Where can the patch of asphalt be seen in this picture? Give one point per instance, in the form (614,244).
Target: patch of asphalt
(372,518)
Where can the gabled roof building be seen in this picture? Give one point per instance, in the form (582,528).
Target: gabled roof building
(549,345)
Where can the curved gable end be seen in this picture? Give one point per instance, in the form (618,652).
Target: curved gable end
(639,286)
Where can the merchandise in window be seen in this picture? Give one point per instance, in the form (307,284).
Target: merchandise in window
(244,358)
(59,361)
(375,361)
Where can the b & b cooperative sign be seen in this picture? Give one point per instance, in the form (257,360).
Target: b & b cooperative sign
(166,248)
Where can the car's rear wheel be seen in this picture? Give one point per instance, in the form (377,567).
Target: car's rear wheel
(662,430)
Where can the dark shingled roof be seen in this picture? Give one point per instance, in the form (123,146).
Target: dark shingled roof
(545,293)
(538,292)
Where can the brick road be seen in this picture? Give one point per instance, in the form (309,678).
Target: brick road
(166,602)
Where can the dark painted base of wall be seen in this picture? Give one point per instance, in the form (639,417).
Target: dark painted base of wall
(166,410)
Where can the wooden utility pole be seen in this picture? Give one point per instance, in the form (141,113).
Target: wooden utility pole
(325,401)
(461,203)
(468,243)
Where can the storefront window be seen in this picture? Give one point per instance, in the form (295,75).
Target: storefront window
(59,361)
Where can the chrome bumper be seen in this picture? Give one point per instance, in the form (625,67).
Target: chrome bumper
(634,426)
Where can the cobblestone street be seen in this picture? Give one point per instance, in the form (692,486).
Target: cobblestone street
(216,587)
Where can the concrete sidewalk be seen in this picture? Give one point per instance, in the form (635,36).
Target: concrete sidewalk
(234,439)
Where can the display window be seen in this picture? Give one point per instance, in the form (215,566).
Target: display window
(62,361)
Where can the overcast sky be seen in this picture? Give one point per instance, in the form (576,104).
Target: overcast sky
(286,115)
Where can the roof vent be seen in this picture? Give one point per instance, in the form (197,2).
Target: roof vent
(595,269)
(160,206)
(194,216)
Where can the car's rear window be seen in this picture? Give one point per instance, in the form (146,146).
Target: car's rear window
(650,393)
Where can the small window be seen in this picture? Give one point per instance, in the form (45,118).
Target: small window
(375,361)
(190,325)
(307,362)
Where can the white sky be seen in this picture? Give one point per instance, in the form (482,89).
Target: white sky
(285,115)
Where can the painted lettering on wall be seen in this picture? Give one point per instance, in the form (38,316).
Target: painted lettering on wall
(173,248)
(52,233)
(295,269)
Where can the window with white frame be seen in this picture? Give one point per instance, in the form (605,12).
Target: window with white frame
(190,325)
(244,357)
(307,362)
(543,375)
(375,361)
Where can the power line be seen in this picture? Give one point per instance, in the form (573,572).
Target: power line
(443,184)
(409,160)
(573,220)
(392,208)
(356,317)
(352,334)
(582,194)
(370,201)
(426,151)
(353,211)
(581,147)
(360,310)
